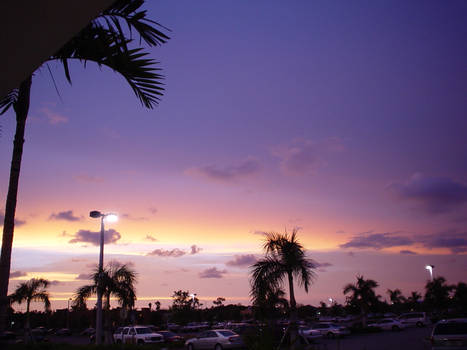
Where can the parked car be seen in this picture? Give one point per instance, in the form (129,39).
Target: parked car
(449,334)
(330,330)
(170,337)
(63,332)
(387,324)
(418,319)
(309,333)
(137,335)
(88,331)
(216,339)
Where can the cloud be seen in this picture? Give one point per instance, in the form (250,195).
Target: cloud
(16,274)
(326,264)
(84,276)
(340,231)
(304,157)
(151,238)
(64,215)
(133,218)
(53,117)
(55,282)
(212,272)
(86,236)
(259,232)
(452,240)
(408,252)
(175,253)
(242,260)
(232,173)
(84,178)
(434,195)
(377,241)
(195,249)
(18,222)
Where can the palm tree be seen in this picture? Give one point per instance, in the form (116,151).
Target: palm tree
(33,290)
(117,280)
(396,296)
(284,259)
(362,295)
(437,294)
(413,300)
(104,42)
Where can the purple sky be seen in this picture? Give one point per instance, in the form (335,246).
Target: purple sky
(346,119)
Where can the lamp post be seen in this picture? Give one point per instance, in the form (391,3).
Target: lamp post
(110,217)
(430,269)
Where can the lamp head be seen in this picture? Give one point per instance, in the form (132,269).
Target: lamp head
(111,218)
(95,214)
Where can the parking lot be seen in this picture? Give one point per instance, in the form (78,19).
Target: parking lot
(410,339)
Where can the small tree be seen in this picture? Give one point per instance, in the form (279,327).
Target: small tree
(362,295)
(33,290)
(219,301)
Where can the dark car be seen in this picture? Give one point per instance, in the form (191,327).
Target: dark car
(63,332)
(170,337)
(7,335)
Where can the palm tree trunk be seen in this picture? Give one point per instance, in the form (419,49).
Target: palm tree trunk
(293,314)
(21,108)
(27,329)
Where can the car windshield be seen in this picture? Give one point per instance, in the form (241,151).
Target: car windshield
(143,331)
(227,333)
(451,328)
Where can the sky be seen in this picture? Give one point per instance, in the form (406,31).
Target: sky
(344,120)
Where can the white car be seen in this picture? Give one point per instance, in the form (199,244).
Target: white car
(216,339)
(308,333)
(449,334)
(330,330)
(419,319)
(388,324)
(138,335)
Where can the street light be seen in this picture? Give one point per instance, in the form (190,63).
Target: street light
(110,218)
(430,269)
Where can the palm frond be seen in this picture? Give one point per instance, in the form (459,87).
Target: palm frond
(97,45)
(42,296)
(8,101)
(129,12)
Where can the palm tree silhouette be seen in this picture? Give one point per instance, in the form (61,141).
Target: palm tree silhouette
(117,280)
(104,42)
(33,290)
(437,294)
(413,300)
(284,259)
(362,295)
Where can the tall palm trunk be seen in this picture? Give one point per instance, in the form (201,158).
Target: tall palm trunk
(293,328)
(21,108)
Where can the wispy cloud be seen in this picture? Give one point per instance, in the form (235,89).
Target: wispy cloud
(174,253)
(64,215)
(133,218)
(242,260)
(84,276)
(150,238)
(455,241)
(378,241)
(17,274)
(194,249)
(434,195)
(230,173)
(86,236)
(304,157)
(18,222)
(212,272)
(408,252)
(53,117)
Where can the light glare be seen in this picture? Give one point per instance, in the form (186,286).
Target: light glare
(111,218)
